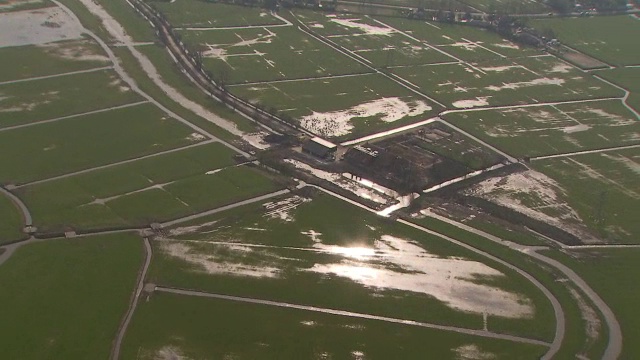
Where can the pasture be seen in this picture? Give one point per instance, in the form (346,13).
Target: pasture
(603,189)
(554,129)
(343,106)
(66,298)
(41,100)
(267,54)
(320,251)
(612,39)
(50,59)
(150,190)
(203,14)
(194,327)
(56,148)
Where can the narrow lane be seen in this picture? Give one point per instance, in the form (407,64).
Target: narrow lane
(482,333)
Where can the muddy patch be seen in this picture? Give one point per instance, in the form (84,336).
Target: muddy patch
(535,195)
(339,123)
(37,27)
(217,260)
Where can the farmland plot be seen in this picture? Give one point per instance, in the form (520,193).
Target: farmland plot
(171,325)
(11,224)
(547,130)
(321,252)
(603,188)
(40,100)
(340,107)
(203,14)
(265,54)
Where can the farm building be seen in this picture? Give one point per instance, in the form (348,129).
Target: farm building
(319,148)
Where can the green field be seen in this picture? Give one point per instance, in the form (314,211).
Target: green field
(64,299)
(606,38)
(40,100)
(472,43)
(379,47)
(509,6)
(46,150)
(146,191)
(196,13)
(172,75)
(628,78)
(12,223)
(341,107)
(60,57)
(607,271)
(546,130)
(266,54)
(279,260)
(197,328)
(506,82)
(604,190)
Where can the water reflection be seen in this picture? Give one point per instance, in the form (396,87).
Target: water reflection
(399,264)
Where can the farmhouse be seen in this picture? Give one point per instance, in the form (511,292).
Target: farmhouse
(319,148)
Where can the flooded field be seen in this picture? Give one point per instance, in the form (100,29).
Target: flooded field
(37,27)
(283,252)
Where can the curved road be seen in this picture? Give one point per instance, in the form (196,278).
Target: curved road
(26,214)
(614,347)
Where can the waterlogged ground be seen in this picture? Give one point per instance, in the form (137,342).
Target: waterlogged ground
(318,251)
(179,328)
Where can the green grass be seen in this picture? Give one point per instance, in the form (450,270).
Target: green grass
(537,131)
(40,100)
(196,13)
(340,225)
(603,188)
(12,223)
(575,340)
(266,54)
(23,62)
(130,198)
(47,150)
(303,98)
(172,75)
(628,78)
(64,299)
(509,7)
(506,82)
(200,327)
(599,36)
(608,271)
(444,36)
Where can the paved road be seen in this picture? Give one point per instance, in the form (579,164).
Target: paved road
(115,350)
(466,331)
(56,75)
(74,115)
(26,214)
(624,98)
(575,153)
(557,308)
(614,346)
(224,208)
